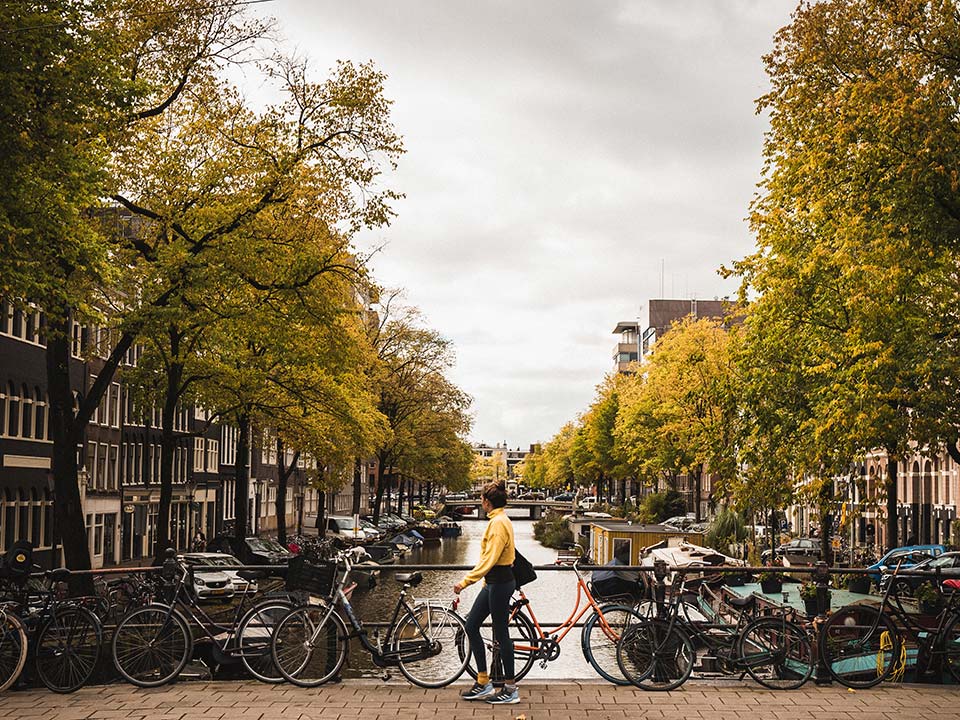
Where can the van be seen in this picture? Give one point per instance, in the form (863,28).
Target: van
(588,502)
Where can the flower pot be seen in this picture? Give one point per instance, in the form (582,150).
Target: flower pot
(770,587)
(859,584)
(733,580)
(929,607)
(810,606)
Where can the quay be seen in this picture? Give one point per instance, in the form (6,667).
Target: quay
(556,700)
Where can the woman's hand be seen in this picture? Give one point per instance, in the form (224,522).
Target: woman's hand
(458,588)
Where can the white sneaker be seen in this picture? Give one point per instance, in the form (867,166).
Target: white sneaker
(479,692)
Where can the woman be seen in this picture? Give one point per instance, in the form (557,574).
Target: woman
(495,568)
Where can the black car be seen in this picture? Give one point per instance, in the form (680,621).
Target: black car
(948,564)
(252,551)
(798,551)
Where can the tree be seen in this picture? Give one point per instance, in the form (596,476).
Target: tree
(79,77)
(857,225)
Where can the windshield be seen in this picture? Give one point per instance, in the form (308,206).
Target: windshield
(264,545)
(224,561)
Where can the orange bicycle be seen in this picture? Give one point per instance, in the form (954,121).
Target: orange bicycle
(532,643)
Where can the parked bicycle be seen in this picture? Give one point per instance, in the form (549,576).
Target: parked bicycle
(62,636)
(153,644)
(863,645)
(310,644)
(659,653)
(607,621)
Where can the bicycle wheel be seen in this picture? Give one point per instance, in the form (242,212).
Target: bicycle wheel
(68,647)
(949,645)
(426,644)
(599,640)
(655,656)
(13,649)
(860,646)
(777,653)
(526,649)
(309,645)
(152,645)
(253,639)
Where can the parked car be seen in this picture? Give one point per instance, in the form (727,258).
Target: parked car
(562,497)
(222,562)
(455,496)
(681,522)
(252,551)
(212,584)
(947,563)
(343,528)
(424,512)
(588,502)
(906,556)
(799,551)
(533,495)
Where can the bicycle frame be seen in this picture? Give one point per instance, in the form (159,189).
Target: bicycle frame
(380,657)
(561,631)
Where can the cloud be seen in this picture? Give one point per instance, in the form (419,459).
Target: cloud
(560,153)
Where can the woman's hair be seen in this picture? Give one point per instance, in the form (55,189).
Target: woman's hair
(496,493)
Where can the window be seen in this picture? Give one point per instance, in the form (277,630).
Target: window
(213,455)
(39,414)
(13,411)
(198,449)
(6,317)
(26,429)
(113,467)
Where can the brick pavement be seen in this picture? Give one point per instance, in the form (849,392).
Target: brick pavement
(557,700)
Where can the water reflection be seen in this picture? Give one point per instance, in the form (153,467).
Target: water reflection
(552,595)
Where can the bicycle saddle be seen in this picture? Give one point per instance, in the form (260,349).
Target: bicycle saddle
(740,603)
(414,578)
(59,575)
(251,575)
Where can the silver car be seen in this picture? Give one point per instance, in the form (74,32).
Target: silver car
(211,581)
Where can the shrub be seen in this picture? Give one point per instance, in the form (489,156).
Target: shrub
(552,531)
(808,591)
(727,528)
(662,505)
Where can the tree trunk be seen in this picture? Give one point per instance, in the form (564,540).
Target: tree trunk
(357,485)
(382,479)
(321,523)
(66,435)
(241,480)
(168,442)
(697,490)
(892,539)
(825,501)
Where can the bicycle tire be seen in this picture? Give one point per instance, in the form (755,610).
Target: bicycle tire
(438,627)
(949,645)
(526,645)
(309,645)
(776,653)
(654,655)
(859,646)
(600,649)
(67,648)
(253,639)
(13,649)
(151,645)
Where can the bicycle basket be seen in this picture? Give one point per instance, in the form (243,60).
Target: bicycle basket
(315,578)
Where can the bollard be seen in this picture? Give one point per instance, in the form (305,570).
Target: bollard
(821,576)
(660,586)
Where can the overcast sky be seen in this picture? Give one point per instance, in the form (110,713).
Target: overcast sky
(559,153)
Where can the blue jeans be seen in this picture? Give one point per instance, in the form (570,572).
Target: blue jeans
(493,602)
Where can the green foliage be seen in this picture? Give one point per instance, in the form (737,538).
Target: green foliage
(727,528)
(808,591)
(552,531)
(657,507)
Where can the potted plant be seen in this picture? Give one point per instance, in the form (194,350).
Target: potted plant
(929,599)
(857,583)
(808,593)
(770,582)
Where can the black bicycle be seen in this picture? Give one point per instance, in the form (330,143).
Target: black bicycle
(309,645)
(152,644)
(63,636)
(659,653)
(863,645)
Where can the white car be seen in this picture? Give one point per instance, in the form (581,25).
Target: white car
(342,526)
(224,562)
(588,502)
(209,583)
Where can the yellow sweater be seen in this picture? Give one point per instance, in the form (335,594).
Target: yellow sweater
(496,546)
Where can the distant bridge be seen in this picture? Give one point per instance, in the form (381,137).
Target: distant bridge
(536,507)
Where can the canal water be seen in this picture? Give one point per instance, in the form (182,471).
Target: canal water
(552,595)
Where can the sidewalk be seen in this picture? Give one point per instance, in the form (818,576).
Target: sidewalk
(374,700)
